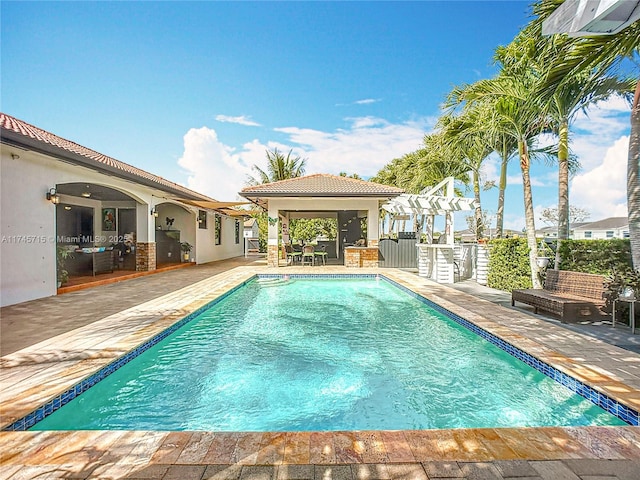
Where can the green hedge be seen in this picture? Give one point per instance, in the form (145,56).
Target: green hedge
(602,257)
(509,264)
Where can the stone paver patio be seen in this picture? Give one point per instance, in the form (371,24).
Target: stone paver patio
(50,344)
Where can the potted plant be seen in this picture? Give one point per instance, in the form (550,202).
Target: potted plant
(62,255)
(186,248)
(545,253)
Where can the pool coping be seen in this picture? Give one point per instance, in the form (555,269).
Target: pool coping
(40,370)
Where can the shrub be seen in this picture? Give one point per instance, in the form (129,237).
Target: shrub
(603,257)
(509,264)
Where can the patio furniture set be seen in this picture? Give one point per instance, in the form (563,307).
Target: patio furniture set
(306,256)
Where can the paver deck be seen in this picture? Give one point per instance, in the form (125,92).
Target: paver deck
(57,356)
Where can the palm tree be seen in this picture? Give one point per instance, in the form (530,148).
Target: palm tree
(568,99)
(605,53)
(422,168)
(469,146)
(518,115)
(506,146)
(279,168)
(562,102)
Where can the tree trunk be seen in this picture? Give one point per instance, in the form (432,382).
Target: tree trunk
(501,190)
(633,185)
(529,214)
(478,212)
(563,187)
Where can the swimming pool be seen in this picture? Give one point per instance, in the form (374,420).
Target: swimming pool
(356,354)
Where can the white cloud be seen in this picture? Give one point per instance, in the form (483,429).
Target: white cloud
(212,167)
(517,180)
(602,190)
(366,101)
(364,148)
(241,120)
(593,133)
(220,171)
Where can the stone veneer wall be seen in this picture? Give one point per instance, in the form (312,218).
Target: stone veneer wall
(145,256)
(351,258)
(272,255)
(369,257)
(361,257)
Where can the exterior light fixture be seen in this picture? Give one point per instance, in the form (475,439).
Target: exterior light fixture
(154,212)
(53,196)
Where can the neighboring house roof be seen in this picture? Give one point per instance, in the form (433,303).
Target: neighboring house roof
(488,232)
(25,136)
(573,226)
(249,223)
(606,224)
(554,228)
(321,185)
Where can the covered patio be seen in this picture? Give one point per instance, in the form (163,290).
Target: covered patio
(355,204)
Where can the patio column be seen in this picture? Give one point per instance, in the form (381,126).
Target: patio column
(145,238)
(272,240)
(373,227)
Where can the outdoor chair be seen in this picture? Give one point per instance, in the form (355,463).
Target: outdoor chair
(291,254)
(322,254)
(308,254)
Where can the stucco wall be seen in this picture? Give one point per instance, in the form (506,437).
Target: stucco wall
(27,230)
(208,251)
(28,221)
(600,234)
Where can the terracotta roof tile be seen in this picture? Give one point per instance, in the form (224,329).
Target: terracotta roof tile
(12,124)
(321,184)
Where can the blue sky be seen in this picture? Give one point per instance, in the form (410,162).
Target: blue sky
(197,91)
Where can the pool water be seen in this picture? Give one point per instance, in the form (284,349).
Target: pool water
(323,354)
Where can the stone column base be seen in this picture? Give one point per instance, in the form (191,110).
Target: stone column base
(145,256)
(272,255)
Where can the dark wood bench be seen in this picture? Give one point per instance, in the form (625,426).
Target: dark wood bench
(569,295)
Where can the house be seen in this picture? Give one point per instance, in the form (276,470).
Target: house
(251,228)
(612,227)
(61,196)
(552,232)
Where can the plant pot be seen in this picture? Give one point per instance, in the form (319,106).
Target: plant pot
(59,284)
(543,262)
(186,257)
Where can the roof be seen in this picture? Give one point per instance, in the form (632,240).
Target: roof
(250,222)
(321,185)
(28,137)
(554,228)
(607,223)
